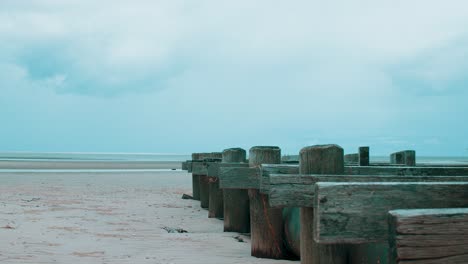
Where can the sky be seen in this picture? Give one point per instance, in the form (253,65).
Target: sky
(181,76)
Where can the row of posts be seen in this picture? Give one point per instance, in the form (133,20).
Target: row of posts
(248,210)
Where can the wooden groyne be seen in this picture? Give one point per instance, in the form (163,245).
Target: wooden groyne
(344,202)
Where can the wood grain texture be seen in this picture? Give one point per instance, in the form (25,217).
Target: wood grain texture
(239,178)
(299,190)
(429,235)
(236,210)
(204,191)
(267,169)
(357,212)
(406,171)
(266,224)
(198,167)
(216,199)
(234,155)
(184,165)
(319,159)
(213,168)
(236,201)
(264,155)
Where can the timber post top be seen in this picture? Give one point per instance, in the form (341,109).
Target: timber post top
(233,150)
(200,156)
(234,155)
(264,148)
(319,147)
(264,154)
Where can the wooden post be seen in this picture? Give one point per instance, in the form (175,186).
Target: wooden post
(319,159)
(363,156)
(236,201)
(196,177)
(215,207)
(406,157)
(266,223)
(410,158)
(205,182)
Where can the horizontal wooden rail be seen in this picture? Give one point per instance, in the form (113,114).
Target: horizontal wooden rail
(357,212)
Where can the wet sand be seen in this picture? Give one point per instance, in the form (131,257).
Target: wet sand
(110,218)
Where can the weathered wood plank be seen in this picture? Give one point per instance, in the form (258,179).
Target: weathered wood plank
(267,169)
(429,235)
(189,166)
(357,212)
(199,168)
(406,171)
(392,169)
(184,165)
(290,159)
(407,157)
(213,167)
(351,158)
(299,190)
(239,178)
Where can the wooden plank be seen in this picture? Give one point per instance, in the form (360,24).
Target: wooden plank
(429,235)
(189,166)
(392,169)
(299,190)
(199,168)
(351,158)
(267,169)
(184,165)
(357,212)
(407,157)
(213,167)
(406,171)
(239,178)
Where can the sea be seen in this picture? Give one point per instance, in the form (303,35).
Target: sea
(171,157)
(91,156)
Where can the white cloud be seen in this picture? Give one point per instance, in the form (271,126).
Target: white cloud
(305,69)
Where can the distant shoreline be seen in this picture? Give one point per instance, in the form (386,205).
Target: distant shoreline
(88,164)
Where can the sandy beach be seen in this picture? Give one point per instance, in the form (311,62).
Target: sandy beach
(88,165)
(103,217)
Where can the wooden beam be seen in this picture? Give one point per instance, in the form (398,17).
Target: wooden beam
(429,236)
(357,212)
(407,157)
(267,169)
(213,168)
(299,190)
(405,170)
(184,165)
(199,168)
(239,178)
(189,166)
(351,158)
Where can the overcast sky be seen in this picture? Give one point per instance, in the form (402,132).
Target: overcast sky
(189,76)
